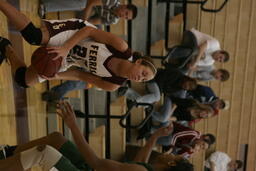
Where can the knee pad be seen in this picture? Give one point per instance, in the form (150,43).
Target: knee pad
(20,77)
(32,34)
(44,156)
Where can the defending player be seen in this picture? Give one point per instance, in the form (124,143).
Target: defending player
(65,156)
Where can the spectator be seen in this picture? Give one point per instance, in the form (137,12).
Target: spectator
(169,81)
(209,50)
(108,12)
(219,161)
(210,73)
(183,141)
(189,110)
(206,95)
(95,11)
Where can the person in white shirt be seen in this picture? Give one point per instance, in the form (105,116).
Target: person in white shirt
(209,51)
(219,161)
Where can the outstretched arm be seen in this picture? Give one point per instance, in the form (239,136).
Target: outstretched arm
(66,112)
(144,154)
(74,74)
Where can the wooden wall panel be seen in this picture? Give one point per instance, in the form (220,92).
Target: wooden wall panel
(234,28)
(118,133)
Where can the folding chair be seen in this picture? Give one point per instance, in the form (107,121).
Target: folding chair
(149,112)
(180,55)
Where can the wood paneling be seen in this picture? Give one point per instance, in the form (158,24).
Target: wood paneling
(234,28)
(118,134)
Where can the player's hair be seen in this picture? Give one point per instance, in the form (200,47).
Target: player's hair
(146,61)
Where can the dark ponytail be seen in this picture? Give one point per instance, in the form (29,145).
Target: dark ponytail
(136,55)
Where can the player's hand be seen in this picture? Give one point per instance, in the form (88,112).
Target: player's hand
(65,110)
(164,131)
(61,51)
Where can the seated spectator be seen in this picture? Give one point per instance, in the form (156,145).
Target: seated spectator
(206,95)
(209,73)
(187,110)
(209,50)
(219,161)
(216,105)
(95,11)
(190,110)
(202,94)
(167,81)
(184,141)
(108,12)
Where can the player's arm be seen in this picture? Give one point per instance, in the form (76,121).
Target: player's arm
(74,74)
(96,34)
(88,9)
(66,112)
(99,36)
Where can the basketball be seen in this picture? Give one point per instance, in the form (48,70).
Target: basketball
(44,63)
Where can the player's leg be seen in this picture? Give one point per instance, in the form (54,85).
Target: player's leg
(16,17)
(30,33)
(64,146)
(55,140)
(23,76)
(44,156)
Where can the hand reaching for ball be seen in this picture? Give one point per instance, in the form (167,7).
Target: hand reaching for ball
(61,51)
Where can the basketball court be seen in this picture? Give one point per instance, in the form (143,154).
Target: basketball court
(24,116)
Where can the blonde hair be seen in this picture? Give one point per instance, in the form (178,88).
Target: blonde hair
(202,107)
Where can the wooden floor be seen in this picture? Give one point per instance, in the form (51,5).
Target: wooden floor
(29,121)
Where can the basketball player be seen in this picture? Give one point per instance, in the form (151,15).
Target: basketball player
(106,57)
(63,155)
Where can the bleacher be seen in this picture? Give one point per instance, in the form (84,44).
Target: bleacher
(233,27)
